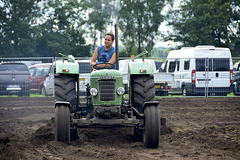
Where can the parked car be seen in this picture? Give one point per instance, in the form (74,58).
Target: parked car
(14,79)
(48,85)
(84,78)
(236,78)
(38,73)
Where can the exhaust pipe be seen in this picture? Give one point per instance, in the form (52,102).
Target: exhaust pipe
(116,47)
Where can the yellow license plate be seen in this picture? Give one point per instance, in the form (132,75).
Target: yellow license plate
(157,86)
(82,79)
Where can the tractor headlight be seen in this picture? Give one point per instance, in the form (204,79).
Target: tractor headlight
(120,91)
(93,91)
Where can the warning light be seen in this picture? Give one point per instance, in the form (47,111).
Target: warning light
(143,71)
(65,70)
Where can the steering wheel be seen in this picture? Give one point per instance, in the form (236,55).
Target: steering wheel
(97,65)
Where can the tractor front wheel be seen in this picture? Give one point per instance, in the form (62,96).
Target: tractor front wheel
(151,132)
(62,123)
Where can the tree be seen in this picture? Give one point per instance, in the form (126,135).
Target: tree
(17,34)
(139,20)
(235,28)
(61,32)
(99,17)
(201,22)
(42,28)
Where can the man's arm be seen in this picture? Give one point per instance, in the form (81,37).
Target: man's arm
(94,58)
(112,60)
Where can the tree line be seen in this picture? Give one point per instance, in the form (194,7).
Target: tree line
(44,28)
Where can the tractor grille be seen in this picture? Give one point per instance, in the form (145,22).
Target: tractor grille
(107,89)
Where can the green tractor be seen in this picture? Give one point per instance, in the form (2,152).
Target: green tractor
(104,105)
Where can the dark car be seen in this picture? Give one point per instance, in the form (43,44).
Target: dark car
(14,79)
(38,73)
(236,79)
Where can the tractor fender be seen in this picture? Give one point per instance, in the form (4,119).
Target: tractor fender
(135,68)
(150,103)
(67,67)
(146,104)
(67,104)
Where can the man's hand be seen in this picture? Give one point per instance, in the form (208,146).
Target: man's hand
(93,63)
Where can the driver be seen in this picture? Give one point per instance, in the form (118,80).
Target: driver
(105,53)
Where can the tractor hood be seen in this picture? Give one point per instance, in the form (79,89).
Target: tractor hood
(106,74)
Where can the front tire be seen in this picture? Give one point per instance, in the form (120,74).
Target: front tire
(62,123)
(151,132)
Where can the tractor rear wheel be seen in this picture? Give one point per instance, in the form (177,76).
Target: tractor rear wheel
(143,91)
(62,123)
(65,89)
(151,132)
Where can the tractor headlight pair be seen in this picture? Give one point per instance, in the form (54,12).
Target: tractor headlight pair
(120,91)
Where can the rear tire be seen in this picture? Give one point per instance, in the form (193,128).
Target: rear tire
(184,92)
(137,134)
(143,91)
(62,123)
(65,89)
(151,132)
(236,91)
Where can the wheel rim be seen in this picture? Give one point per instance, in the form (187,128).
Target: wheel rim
(43,91)
(184,92)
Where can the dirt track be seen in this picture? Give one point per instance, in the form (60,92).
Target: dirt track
(197,128)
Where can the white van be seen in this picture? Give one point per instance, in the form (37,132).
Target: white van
(200,70)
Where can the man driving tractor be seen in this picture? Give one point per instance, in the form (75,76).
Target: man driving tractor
(105,56)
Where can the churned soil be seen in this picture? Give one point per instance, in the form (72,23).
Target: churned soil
(196,128)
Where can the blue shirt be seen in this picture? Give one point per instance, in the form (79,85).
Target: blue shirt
(105,56)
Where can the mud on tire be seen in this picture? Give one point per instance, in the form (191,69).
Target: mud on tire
(65,89)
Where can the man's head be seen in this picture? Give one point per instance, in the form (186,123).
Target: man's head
(109,39)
